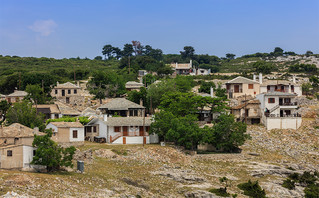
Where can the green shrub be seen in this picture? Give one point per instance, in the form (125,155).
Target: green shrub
(312,191)
(252,189)
(289,184)
(222,192)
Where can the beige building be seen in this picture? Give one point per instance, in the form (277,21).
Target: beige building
(248,111)
(67,133)
(182,68)
(50,111)
(280,86)
(68,93)
(132,85)
(241,86)
(16,96)
(16,151)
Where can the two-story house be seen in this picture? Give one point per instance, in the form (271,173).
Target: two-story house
(182,68)
(16,96)
(122,107)
(279,110)
(16,150)
(132,85)
(241,86)
(68,93)
(280,86)
(248,112)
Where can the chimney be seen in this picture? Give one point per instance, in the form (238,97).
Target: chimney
(78,83)
(36,130)
(294,79)
(211,92)
(260,78)
(254,77)
(141,102)
(105,117)
(176,65)
(191,63)
(289,88)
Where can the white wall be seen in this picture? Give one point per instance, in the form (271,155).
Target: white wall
(51,126)
(283,123)
(263,89)
(80,137)
(132,140)
(298,90)
(27,155)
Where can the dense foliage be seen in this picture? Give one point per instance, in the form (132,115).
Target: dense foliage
(50,154)
(83,120)
(252,189)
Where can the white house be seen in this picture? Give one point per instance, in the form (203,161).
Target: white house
(280,86)
(121,130)
(67,132)
(279,110)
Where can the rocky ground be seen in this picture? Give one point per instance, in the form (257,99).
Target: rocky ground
(156,171)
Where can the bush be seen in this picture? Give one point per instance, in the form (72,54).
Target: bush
(312,191)
(289,184)
(222,192)
(252,189)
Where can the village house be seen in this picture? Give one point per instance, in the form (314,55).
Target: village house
(16,96)
(132,85)
(241,86)
(50,111)
(66,110)
(279,110)
(185,68)
(2,97)
(247,111)
(121,130)
(122,107)
(281,86)
(68,93)
(67,133)
(16,151)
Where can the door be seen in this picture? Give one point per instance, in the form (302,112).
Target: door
(236,88)
(67,100)
(63,92)
(144,140)
(141,131)
(124,140)
(280,101)
(125,132)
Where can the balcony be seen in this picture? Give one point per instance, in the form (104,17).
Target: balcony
(282,116)
(288,104)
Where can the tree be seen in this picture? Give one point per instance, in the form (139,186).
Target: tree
(50,154)
(188,52)
(230,56)
(4,106)
(157,54)
(309,53)
(107,51)
(127,50)
(226,134)
(278,51)
(205,87)
(263,67)
(35,94)
(116,52)
(165,70)
(213,68)
(25,114)
(306,88)
(98,58)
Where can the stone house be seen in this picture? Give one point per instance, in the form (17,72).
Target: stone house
(66,110)
(185,68)
(241,86)
(2,97)
(50,111)
(132,85)
(248,111)
(122,107)
(16,151)
(68,93)
(67,133)
(16,96)
(279,110)
(121,130)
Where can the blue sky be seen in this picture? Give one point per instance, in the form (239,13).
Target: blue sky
(64,29)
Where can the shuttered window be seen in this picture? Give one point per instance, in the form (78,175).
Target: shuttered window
(271,100)
(117,129)
(75,134)
(9,153)
(250,86)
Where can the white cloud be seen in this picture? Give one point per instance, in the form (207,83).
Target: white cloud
(44,27)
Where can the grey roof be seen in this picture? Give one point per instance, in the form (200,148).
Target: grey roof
(278,93)
(242,80)
(133,84)
(2,96)
(277,82)
(18,93)
(67,124)
(120,104)
(128,121)
(66,110)
(67,85)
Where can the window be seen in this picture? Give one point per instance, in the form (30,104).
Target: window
(69,91)
(75,134)
(56,91)
(117,129)
(147,128)
(88,129)
(94,129)
(34,152)
(271,100)
(75,91)
(9,153)
(250,86)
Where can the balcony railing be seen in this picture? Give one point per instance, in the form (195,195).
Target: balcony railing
(288,103)
(233,91)
(282,116)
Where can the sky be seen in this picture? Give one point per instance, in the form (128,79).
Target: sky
(80,28)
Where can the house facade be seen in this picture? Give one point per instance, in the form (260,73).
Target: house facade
(67,133)
(122,107)
(241,86)
(279,110)
(121,130)
(182,68)
(280,86)
(68,93)
(132,85)
(50,111)
(248,112)
(16,96)
(16,151)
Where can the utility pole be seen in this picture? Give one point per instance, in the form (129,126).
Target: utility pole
(129,64)
(43,90)
(245,110)
(74,73)
(19,80)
